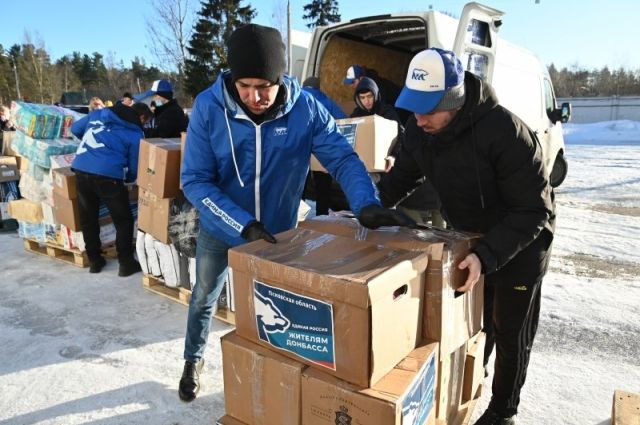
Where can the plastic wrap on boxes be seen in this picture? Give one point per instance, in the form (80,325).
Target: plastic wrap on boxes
(52,232)
(61,161)
(37,172)
(43,121)
(169,263)
(32,189)
(141,253)
(36,232)
(39,150)
(152,256)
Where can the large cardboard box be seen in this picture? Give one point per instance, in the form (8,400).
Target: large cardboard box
(450,379)
(626,408)
(348,307)
(450,318)
(261,387)
(66,212)
(153,215)
(159,167)
(26,211)
(228,420)
(9,170)
(64,182)
(473,367)
(370,138)
(405,396)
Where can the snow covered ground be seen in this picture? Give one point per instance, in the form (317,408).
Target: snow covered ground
(78,348)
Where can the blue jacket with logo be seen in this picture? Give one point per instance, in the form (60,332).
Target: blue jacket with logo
(110,143)
(235,171)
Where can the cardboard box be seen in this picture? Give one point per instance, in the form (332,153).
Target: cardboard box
(153,215)
(473,367)
(66,212)
(405,396)
(449,390)
(370,137)
(260,385)
(26,211)
(228,420)
(625,409)
(350,308)
(64,182)
(159,167)
(4,211)
(9,170)
(449,318)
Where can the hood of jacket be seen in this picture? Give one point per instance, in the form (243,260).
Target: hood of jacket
(365,85)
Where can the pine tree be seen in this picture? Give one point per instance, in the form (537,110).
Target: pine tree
(217,20)
(321,12)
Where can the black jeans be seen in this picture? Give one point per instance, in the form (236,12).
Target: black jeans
(511,312)
(91,190)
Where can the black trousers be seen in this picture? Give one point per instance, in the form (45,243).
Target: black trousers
(322,183)
(511,312)
(91,189)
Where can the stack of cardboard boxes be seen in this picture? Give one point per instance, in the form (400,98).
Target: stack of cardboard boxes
(328,330)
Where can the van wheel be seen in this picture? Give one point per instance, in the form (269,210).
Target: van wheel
(559,171)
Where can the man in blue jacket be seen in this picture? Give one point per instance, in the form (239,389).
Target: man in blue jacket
(246,157)
(105,160)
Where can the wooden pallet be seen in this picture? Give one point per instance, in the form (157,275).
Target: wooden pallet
(466,410)
(157,285)
(70,256)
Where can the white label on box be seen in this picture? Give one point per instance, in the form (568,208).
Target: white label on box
(295,323)
(420,398)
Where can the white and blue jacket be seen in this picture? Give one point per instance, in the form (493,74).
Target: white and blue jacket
(110,143)
(235,171)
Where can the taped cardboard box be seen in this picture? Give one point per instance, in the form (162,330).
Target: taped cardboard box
(473,367)
(449,318)
(159,167)
(26,211)
(347,307)
(449,389)
(370,138)
(260,386)
(64,182)
(9,170)
(404,396)
(66,212)
(153,215)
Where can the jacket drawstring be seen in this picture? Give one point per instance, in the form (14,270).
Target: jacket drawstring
(233,152)
(475,160)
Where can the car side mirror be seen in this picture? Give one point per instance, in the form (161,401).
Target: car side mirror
(562,114)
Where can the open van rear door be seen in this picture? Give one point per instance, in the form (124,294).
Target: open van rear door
(476,39)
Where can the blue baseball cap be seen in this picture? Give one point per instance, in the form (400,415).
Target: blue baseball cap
(435,82)
(161,86)
(354,72)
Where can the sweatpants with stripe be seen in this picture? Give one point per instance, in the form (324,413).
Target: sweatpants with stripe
(511,312)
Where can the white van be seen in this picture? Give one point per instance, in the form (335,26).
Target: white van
(387,43)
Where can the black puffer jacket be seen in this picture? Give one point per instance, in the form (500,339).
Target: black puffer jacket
(487,167)
(170,121)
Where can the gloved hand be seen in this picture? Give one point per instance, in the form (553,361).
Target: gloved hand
(256,230)
(374,216)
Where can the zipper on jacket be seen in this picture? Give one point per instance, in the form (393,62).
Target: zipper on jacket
(258,168)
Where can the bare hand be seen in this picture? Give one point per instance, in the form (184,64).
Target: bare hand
(471,262)
(389,162)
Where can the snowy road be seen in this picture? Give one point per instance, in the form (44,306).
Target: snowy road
(78,348)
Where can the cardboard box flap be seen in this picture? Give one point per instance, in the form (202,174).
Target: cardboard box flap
(337,268)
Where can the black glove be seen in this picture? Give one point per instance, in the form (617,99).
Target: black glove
(256,230)
(374,216)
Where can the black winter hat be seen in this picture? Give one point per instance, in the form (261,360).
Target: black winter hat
(255,51)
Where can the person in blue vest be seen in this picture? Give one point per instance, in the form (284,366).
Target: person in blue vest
(246,157)
(106,159)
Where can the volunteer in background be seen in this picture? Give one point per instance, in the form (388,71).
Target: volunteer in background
(169,117)
(487,167)
(127,99)
(106,159)
(246,158)
(95,103)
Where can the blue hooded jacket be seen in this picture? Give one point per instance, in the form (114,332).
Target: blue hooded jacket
(110,143)
(235,171)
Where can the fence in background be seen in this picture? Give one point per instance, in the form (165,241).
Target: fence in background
(595,109)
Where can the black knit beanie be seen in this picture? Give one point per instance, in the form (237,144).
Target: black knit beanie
(255,51)
(166,94)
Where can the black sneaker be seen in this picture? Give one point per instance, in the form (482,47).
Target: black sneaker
(129,267)
(190,381)
(97,265)
(490,417)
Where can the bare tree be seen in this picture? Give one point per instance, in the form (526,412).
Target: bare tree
(169,30)
(37,60)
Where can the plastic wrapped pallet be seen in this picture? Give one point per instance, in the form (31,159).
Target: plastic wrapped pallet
(169,263)
(152,256)
(39,151)
(32,189)
(35,120)
(141,252)
(36,232)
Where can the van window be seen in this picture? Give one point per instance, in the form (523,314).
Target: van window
(549,97)
(476,63)
(478,33)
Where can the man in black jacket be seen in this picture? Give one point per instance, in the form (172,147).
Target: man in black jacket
(170,119)
(487,167)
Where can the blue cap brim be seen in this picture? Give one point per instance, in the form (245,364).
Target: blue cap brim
(418,101)
(348,81)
